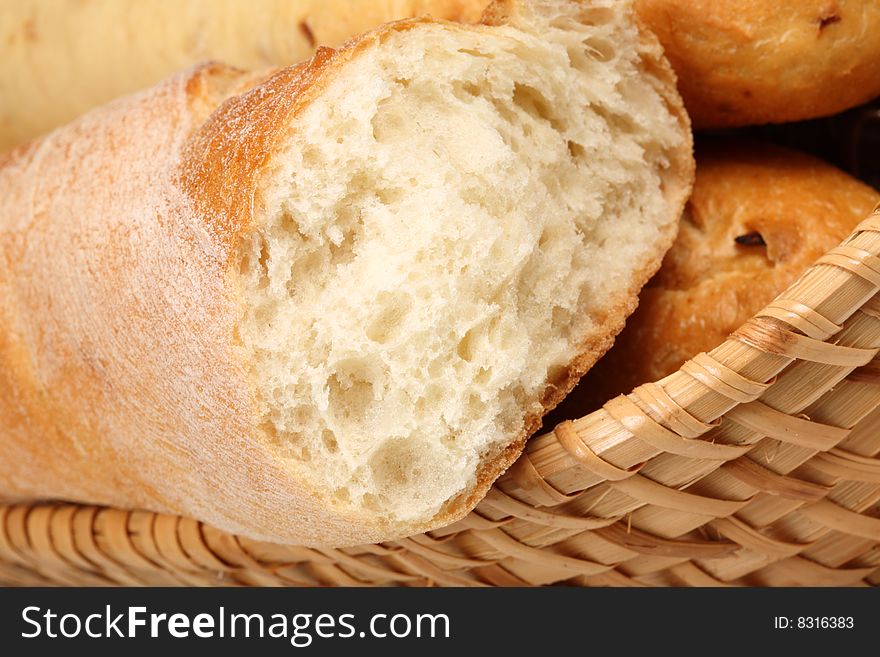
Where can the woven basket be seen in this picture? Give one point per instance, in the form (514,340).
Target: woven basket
(754,464)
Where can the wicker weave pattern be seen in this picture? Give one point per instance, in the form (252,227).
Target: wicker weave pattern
(755,464)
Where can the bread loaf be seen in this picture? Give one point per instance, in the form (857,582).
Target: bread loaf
(328,305)
(749,62)
(759,216)
(59,58)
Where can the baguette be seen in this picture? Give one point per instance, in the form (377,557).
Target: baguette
(60,58)
(327,305)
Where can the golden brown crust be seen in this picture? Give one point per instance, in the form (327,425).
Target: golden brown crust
(746,62)
(126,360)
(709,284)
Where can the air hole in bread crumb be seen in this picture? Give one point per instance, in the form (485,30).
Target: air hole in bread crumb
(264,313)
(473,52)
(302,414)
(390,195)
(566,23)
(269,429)
(264,263)
(398,464)
(576,151)
(393,308)
(370,502)
(329,441)
(561,318)
(388,122)
(599,49)
(310,157)
(586,16)
(533,103)
(351,394)
(342,246)
(299,268)
(548,235)
(465,348)
(465,90)
(434,394)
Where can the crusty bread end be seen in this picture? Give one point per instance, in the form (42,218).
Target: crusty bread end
(331,309)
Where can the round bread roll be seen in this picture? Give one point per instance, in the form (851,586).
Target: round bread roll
(759,216)
(748,62)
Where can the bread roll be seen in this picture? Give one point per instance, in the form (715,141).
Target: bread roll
(759,216)
(330,309)
(59,58)
(748,62)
